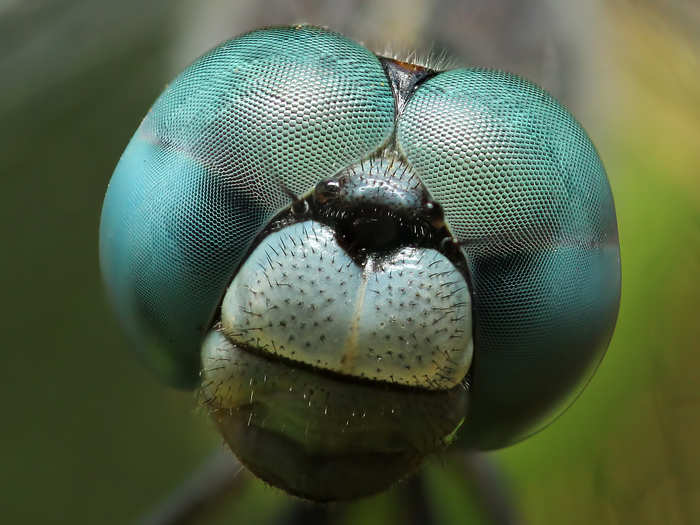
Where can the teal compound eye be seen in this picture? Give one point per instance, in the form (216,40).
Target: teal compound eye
(358,261)
(526,194)
(201,175)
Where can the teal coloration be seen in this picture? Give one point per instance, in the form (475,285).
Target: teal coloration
(523,189)
(208,167)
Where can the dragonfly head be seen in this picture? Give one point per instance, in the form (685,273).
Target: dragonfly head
(447,272)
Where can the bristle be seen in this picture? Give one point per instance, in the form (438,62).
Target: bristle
(432,58)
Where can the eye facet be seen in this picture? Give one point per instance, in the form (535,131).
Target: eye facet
(360,261)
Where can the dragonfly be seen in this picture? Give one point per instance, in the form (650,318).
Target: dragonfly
(359,262)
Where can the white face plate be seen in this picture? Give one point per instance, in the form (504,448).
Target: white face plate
(404,318)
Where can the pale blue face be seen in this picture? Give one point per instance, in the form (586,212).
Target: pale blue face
(477,173)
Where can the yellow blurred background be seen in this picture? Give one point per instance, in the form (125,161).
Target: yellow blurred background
(89,437)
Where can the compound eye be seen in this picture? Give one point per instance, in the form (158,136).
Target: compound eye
(527,199)
(202,177)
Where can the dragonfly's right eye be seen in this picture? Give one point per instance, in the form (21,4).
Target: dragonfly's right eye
(273,110)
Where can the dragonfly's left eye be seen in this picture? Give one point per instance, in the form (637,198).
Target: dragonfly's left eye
(360,261)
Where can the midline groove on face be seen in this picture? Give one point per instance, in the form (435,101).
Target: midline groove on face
(402,318)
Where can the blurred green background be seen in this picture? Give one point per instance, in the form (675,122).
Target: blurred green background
(89,437)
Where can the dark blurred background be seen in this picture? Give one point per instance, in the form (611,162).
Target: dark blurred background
(87,436)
